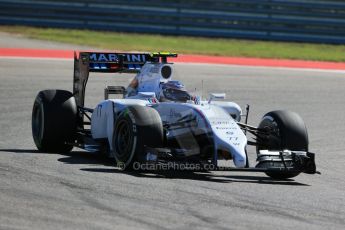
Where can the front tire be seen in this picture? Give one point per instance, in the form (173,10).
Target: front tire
(54,116)
(288,131)
(136,127)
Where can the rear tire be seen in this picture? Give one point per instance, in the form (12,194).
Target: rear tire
(54,116)
(289,132)
(136,127)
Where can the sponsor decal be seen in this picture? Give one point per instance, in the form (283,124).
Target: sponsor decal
(136,57)
(113,57)
(223,128)
(152,100)
(220,122)
(104,57)
(99,66)
(105,61)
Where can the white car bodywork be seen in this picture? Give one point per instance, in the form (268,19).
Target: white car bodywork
(218,118)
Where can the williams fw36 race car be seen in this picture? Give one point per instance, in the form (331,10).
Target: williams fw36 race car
(156,121)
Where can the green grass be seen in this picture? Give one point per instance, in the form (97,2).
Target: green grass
(185,45)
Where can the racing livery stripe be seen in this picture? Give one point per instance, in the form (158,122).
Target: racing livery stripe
(184,58)
(261,62)
(35,53)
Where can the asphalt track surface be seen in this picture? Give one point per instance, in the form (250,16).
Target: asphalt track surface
(85,191)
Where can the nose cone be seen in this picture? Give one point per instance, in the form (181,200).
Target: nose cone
(229,136)
(240,160)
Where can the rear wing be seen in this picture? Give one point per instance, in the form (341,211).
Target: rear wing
(119,62)
(109,62)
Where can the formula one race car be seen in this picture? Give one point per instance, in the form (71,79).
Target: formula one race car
(157,121)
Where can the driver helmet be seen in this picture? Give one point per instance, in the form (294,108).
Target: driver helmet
(174,91)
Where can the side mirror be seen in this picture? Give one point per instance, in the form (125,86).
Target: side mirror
(216,96)
(166,71)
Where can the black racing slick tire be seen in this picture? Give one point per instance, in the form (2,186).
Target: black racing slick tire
(288,132)
(135,128)
(54,119)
